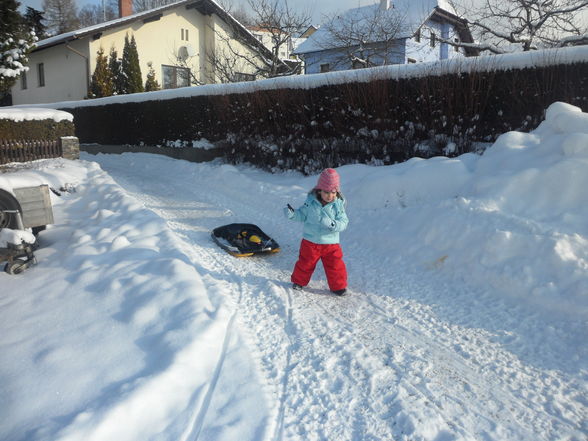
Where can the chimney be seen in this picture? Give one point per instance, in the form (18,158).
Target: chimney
(125,7)
(385,4)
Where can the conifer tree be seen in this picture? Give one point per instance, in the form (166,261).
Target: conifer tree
(102,84)
(114,66)
(16,41)
(133,81)
(34,20)
(151,84)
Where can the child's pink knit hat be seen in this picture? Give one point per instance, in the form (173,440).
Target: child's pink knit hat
(328,180)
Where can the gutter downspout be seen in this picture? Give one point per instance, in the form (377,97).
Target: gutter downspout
(87,65)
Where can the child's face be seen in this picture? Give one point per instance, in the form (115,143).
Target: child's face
(328,196)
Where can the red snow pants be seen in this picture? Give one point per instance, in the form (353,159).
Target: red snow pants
(332,257)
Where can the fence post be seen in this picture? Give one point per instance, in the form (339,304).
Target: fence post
(70,147)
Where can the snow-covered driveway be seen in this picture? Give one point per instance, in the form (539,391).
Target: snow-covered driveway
(408,355)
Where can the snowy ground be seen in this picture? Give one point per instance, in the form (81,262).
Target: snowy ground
(467,318)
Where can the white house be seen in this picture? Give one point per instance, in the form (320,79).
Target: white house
(388,32)
(177,39)
(268,38)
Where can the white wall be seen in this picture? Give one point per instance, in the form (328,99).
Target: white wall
(66,71)
(422,51)
(157,41)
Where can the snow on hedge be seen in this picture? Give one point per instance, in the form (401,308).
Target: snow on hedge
(398,71)
(34,113)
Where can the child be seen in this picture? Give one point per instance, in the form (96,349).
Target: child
(324,217)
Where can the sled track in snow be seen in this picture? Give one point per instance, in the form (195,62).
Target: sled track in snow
(393,356)
(195,427)
(279,425)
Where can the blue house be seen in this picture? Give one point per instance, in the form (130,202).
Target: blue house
(388,32)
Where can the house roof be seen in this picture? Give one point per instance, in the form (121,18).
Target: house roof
(80,33)
(205,7)
(412,13)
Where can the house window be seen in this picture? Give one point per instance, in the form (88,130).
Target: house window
(417,36)
(456,40)
(240,76)
(433,39)
(23,80)
(185,34)
(325,67)
(41,74)
(356,64)
(174,77)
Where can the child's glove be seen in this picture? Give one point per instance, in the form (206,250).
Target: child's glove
(327,222)
(289,211)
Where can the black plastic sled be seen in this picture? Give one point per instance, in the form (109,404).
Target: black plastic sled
(243,240)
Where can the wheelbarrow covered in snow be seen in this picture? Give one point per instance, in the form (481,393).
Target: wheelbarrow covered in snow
(25,207)
(243,240)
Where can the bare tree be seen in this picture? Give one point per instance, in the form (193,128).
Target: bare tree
(239,56)
(229,62)
(94,14)
(363,39)
(60,16)
(281,22)
(144,5)
(514,25)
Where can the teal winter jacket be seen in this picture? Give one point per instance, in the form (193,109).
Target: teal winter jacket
(322,224)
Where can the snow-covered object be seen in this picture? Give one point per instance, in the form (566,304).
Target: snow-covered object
(34,113)
(15,237)
(13,58)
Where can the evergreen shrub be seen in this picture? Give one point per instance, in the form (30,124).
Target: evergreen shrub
(46,129)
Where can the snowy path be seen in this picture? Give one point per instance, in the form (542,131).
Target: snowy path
(376,365)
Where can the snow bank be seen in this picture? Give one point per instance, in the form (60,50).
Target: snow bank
(117,325)
(513,220)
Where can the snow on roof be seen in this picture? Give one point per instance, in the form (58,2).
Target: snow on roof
(412,13)
(72,35)
(33,113)
(51,41)
(519,60)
